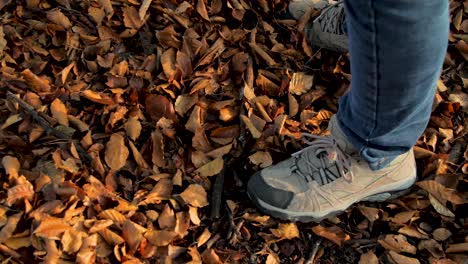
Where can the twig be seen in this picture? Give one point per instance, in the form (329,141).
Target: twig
(46,125)
(311,259)
(216,197)
(9,251)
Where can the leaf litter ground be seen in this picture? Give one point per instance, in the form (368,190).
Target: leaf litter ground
(129,128)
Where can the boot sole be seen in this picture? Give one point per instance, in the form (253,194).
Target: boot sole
(284,215)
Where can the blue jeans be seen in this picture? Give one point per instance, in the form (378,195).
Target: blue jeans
(397,49)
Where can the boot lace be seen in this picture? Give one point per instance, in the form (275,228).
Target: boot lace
(327,151)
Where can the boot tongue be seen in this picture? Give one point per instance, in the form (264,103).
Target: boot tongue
(340,137)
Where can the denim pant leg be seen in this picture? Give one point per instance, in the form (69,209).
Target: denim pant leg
(397,49)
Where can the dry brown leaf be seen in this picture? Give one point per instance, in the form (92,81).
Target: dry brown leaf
(166,219)
(262,219)
(209,256)
(137,156)
(143,8)
(182,224)
(113,215)
(272,258)
(195,195)
(201,9)
(21,191)
(12,119)
(59,112)
(116,152)
(132,234)
(457,248)
(18,242)
(193,214)
(111,237)
(300,83)
(168,62)
(440,192)
(160,237)
(439,207)
(203,238)
(57,17)
(403,217)
(11,166)
(441,234)
(368,258)
(433,247)
(131,17)
(158,106)
(158,148)
(253,130)
(10,227)
(397,243)
(400,259)
(370,213)
(413,232)
(286,231)
(66,71)
(219,152)
(333,233)
(72,240)
(184,102)
(87,253)
(37,83)
(211,168)
(133,128)
(261,158)
(53,254)
(51,228)
(97,97)
(3,42)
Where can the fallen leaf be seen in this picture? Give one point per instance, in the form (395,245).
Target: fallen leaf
(11,166)
(211,168)
(457,248)
(160,237)
(133,128)
(300,83)
(201,9)
(439,207)
(12,119)
(158,106)
(441,234)
(116,152)
(209,256)
(400,259)
(333,233)
(10,227)
(143,8)
(203,238)
(132,234)
(57,17)
(37,83)
(368,258)
(195,195)
(51,228)
(261,158)
(397,243)
(59,112)
(286,231)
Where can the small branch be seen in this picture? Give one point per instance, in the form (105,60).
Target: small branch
(311,259)
(217,196)
(42,121)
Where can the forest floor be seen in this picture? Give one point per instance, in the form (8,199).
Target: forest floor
(129,128)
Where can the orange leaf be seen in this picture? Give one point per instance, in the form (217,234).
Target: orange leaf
(333,233)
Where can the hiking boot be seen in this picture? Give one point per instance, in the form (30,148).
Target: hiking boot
(326,178)
(328,30)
